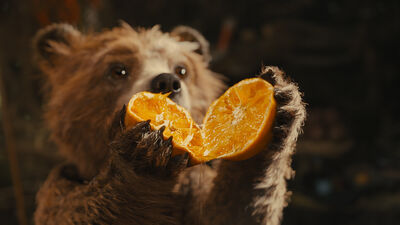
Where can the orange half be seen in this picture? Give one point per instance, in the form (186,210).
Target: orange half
(238,124)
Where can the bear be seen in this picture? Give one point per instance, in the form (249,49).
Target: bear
(115,175)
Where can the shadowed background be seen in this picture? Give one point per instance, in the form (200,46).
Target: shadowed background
(343,54)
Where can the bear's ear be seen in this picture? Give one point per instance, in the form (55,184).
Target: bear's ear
(186,33)
(54,41)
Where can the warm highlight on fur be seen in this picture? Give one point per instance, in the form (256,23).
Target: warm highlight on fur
(118,176)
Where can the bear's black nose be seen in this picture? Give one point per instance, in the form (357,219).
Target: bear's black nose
(165,83)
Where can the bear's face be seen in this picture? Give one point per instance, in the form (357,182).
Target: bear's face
(92,76)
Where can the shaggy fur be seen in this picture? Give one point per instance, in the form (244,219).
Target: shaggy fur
(115,175)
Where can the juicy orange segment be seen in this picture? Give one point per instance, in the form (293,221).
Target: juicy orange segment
(236,126)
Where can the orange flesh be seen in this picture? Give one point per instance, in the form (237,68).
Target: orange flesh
(236,126)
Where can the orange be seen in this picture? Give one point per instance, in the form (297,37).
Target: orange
(236,126)
(162,111)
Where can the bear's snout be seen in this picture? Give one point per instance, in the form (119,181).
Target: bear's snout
(165,83)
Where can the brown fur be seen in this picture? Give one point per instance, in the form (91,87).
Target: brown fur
(134,180)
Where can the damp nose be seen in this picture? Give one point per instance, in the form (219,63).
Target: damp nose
(166,82)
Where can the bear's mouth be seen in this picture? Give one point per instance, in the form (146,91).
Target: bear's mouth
(174,97)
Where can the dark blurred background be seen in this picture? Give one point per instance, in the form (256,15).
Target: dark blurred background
(343,54)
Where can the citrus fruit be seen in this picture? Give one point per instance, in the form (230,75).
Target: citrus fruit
(236,126)
(162,111)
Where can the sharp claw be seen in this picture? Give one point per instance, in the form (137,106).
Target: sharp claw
(161,130)
(169,140)
(146,126)
(139,125)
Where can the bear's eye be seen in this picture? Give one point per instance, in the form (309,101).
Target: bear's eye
(119,71)
(181,71)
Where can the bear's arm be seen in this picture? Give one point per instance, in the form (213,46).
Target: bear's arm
(253,191)
(130,189)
